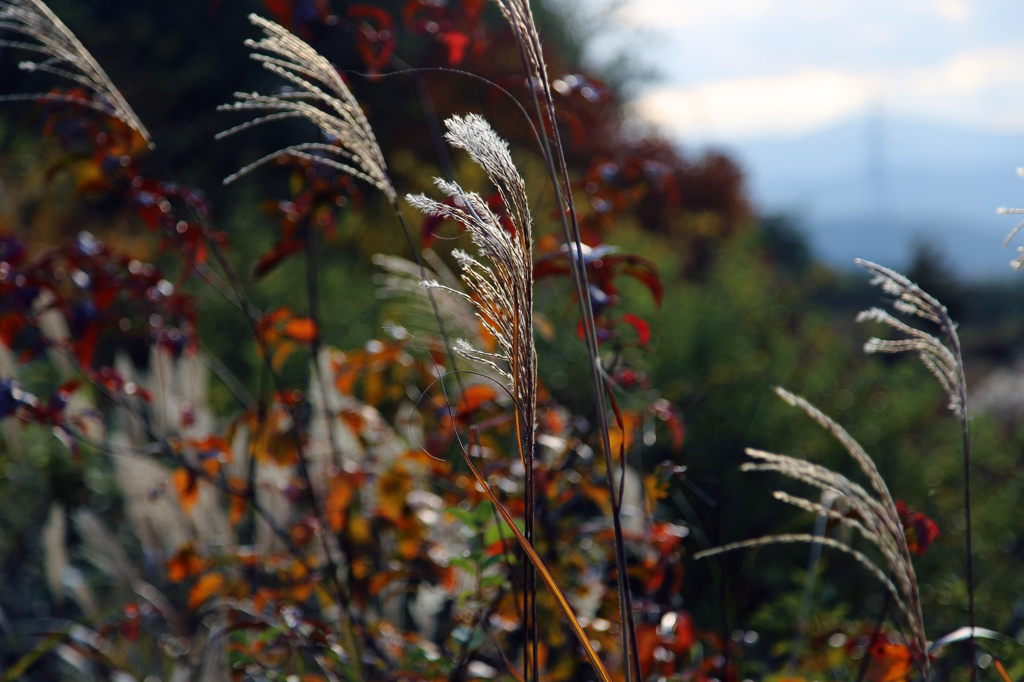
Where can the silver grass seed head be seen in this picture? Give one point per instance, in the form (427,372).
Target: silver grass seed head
(320,96)
(938,357)
(873,516)
(66,57)
(499,278)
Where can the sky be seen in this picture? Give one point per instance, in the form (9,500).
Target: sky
(734,69)
(878,123)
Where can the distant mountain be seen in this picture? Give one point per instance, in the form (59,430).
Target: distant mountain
(869,188)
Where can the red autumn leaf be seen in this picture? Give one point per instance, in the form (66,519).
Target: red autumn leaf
(685,636)
(105,291)
(603,264)
(206,587)
(640,269)
(456,42)
(375,41)
(188,488)
(646,642)
(271,259)
(643,330)
(297,14)
(130,627)
(920,530)
(84,347)
(10,325)
(501,546)
(281,10)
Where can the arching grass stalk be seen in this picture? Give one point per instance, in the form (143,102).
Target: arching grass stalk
(520,17)
(942,360)
(65,57)
(874,517)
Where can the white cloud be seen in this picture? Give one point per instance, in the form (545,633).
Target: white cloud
(663,14)
(742,68)
(953,10)
(978,88)
(971,71)
(749,107)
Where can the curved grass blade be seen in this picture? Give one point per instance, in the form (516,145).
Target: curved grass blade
(545,576)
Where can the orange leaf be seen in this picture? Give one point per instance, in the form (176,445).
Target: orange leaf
(476,396)
(237,509)
(301,533)
(213,452)
(302,329)
(207,586)
(302,585)
(184,564)
(622,437)
(346,371)
(353,420)
(890,663)
(188,488)
(238,501)
(380,580)
(339,497)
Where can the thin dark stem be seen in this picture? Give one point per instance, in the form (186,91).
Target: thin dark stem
(529,578)
(723,596)
(954,340)
(430,115)
(573,242)
(443,330)
(970,558)
(228,378)
(590,328)
(874,636)
(444,158)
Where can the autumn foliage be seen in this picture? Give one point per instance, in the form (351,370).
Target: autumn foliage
(325,526)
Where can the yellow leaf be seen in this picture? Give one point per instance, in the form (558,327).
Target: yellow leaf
(281,355)
(392,487)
